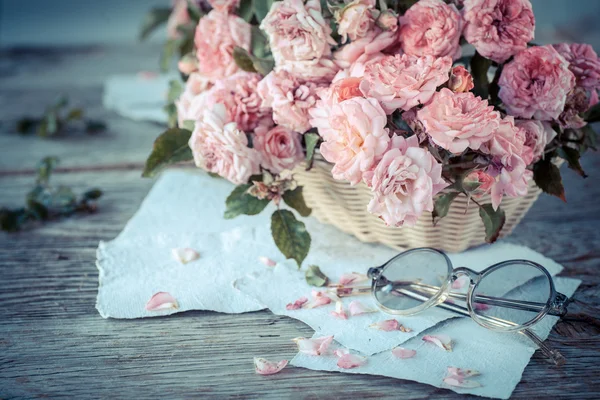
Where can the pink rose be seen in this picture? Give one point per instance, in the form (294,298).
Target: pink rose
(179,16)
(188,64)
(535,84)
(280,148)
(510,180)
(195,85)
(403,82)
(319,71)
(460,80)
(498,28)
(431,28)
(404,182)
(224,5)
(355,20)
(297,31)
(221,148)
(388,21)
(216,36)
(290,98)
(537,136)
(354,134)
(583,63)
(456,121)
(239,95)
(478,183)
(364,48)
(508,141)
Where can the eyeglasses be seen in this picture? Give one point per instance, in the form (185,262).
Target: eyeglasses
(510,296)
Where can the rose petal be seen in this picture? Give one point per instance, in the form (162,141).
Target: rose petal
(465,373)
(319,299)
(442,341)
(459,381)
(460,282)
(314,346)
(340,352)
(390,325)
(339,311)
(161,301)
(267,261)
(265,367)
(348,361)
(480,307)
(401,352)
(352,278)
(184,254)
(357,308)
(296,305)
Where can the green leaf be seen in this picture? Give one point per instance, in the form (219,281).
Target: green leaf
(92,194)
(189,124)
(295,199)
(94,126)
(11,220)
(259,42)
(171,111)
(547,176)
(493,221)
(152,20)
(290,235)
(63,197)
(175,90)
(315,277)
(243,59)
(571,156)
(311,140)
(403,5)
(479,68)
(26,125)
(593,114)
(263,65)
(75,114)
(246,10)
(442,206)
(170,147)
(168,52)
(45,168)
(590,138)
(240,202)
(194,11)
(37,210)
(261,8)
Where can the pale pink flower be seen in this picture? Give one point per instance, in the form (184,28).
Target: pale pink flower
(318,299)
(442,341)
(314,346)
(179,16)
(511,180)
(280,148)
(498,28)
(339,312)
(404,183)
(290,98)
(162,301)
(457,121)
(389,325)
(535,84)
(297,31)
(266,367)
(388,21)
(403,82)
(477,183)
(358,308)
(349,361)
(352,278)
(460,80)
(224,5)
(403,353)
(220,147)
(537,136)
(583,63)
(431,28)
(296,305)
(355,20)
(217,34)
(319,71)
(365,47)
(184,255)
(354,134)
(195,85)
(508,140)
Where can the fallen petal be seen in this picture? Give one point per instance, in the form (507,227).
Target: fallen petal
(315,346)
(357,308)
(348,361)
(465,373)
(267,261)
(461,282)
(339,311)
(161,301)
(480,307)
(352,278)
(340,352)
(401,352)
(442,341)
(184,254)
(265,367)
(297,304)
(459,381)
(319,299)
(390,325)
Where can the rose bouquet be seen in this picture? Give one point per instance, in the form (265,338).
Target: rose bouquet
(381,90)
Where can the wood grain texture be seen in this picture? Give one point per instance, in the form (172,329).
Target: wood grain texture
(53,343)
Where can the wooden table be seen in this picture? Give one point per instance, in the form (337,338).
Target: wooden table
(53,342)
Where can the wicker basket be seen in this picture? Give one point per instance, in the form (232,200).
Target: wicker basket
(345,207)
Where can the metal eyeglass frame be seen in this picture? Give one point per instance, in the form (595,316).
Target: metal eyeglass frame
(432,296)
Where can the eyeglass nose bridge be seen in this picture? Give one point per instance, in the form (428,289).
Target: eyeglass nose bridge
(464,271)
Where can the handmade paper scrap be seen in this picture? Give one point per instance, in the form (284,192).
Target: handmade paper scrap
(284,284)
(500,357)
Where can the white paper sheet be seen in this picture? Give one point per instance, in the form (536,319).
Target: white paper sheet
(500,357)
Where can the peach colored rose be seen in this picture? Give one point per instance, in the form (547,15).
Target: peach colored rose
(535,84)
(364,48)
(403,82)
(510,181)
(280,148)
(431,28)
(508,141)
(221,148)
(537,136)
(224,5)
(404,182)
(297,31)
(354,134)
(179,16)
(457,121)
(498,28)
(460,80)
(290,98)
(583,63)
(216,36)
(355,20)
